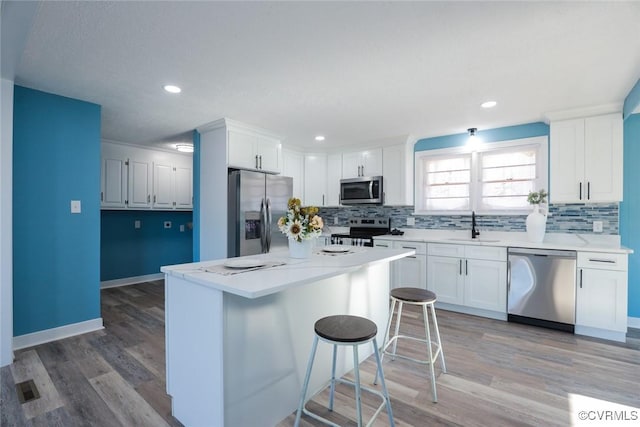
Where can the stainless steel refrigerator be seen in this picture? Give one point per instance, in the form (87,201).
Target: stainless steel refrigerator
(256,201)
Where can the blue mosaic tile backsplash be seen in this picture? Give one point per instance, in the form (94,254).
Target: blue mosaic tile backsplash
(563,218)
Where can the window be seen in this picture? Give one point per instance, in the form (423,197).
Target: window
(496,178)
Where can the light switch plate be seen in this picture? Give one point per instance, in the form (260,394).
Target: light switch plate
(335,220)
(182,228)
(137,223)
(597,226)
(411,220)
(76,206)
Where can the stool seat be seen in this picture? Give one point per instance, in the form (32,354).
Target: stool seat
(413,295)
(345,328)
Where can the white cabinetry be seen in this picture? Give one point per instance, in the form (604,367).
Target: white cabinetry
(601,296)
(410,271)
(334,175)
(362,163)
(113,191)
(586,159)
(172,187)
(139,178)
(473,279)
(315,179)
(397,172)
(293,166)
(249,149)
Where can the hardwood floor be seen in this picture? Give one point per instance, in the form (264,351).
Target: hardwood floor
(498,373)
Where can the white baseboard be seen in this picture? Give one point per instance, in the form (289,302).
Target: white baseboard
(633,322)
(131,280)
(54,334)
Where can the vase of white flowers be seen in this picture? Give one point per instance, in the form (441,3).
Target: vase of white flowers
(302,225)
(536,220)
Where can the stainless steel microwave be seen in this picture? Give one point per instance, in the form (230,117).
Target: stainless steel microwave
(362,190)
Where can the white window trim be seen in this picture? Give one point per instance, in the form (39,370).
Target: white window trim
(542,171)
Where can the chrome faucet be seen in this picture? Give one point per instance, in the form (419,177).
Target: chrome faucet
(474,233)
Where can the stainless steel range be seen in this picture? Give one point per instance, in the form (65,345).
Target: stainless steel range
(362,231)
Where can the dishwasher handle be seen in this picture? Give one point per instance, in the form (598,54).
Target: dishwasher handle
(543,252)
(508,276)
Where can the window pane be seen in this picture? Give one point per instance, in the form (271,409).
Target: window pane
(509,173)
(447,182)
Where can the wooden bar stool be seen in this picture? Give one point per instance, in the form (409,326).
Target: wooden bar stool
(424,298)
(353,331)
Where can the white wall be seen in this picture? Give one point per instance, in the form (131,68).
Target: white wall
(6,225)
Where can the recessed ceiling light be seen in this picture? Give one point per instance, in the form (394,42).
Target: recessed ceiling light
(185,148)
(319,138)
(172,89)
(488,104)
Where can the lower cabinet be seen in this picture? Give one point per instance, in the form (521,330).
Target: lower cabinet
(601,295)
(410,271)
(468,276)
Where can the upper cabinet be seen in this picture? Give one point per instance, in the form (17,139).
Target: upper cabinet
(397,173)
(586,159)
(315,180)
(250,149)
(362,163)
(138,178)
(334,175)
(293,166)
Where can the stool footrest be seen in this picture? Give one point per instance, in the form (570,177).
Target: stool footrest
(436,353)
(344,381)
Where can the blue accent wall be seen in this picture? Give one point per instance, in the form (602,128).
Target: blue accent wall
(632,101)
(56,254)
(196,196)
(128,252)
(630,208)
(490,135)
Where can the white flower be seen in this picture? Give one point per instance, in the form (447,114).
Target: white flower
(295,228)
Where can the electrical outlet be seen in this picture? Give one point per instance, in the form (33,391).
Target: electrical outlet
(335,220)
(76,206)
(167,224)
(597,226)
(182,228)
(411,220)
(137,224)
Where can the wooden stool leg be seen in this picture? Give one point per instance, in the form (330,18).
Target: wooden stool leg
(306,381)
(430,351)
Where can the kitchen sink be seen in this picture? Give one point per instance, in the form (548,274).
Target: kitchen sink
(469,239)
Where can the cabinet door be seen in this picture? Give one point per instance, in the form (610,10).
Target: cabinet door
(444,277)
(315,179)
(163,189)
(601,299)
(242,150)
(411,272)
(269,152)
(183,184)
(603,158)
(334,175)
(485,284)
(114,178)
(372,162)
(393,169)
(351,165)
(139,184)
(293,166)
(567,162)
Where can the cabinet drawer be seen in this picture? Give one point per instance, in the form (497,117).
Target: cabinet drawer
(419,247)
(491,253)
(603,261)
(444,249)
(382,243)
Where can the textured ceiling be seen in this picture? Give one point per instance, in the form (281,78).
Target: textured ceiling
(353,71)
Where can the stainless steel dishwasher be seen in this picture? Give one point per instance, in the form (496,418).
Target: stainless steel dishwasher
(542,288)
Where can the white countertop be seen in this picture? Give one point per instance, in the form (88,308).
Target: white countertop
(296,272)
(561,241)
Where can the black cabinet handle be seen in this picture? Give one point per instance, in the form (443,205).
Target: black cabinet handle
(580,192)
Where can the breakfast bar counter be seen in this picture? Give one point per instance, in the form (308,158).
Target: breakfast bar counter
(239,331)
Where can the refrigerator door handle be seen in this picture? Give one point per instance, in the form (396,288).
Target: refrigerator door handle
(268,226)
(263,217)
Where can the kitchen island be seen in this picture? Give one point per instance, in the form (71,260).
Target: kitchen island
(237,345)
